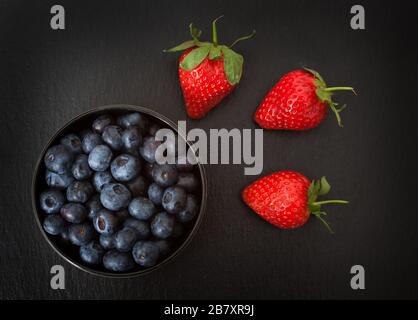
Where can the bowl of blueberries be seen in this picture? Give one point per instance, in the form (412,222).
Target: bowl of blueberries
(103,201)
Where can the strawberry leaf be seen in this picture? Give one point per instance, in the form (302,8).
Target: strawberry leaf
(202,44)
(317,76)
(324,187)
(232,65)
(312,195)
(215,53)
(320,188)
(314,207)
(194,58)
(319,215)
(195,32)
(183,46)
(324,94)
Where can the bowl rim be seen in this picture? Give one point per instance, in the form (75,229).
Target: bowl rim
(57,133)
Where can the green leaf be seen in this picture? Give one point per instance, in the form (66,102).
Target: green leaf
(194,58)
(323,95)
(195,32)
(326,224)
(333,107)
(242,38)
(215,53)
(233,65)
(314,207)
(324,187)
(203,44)
(312,194)
(183,46)
(316,74)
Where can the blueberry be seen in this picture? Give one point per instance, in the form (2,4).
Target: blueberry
(90,141)
(117,261)
(148,148)
(147,170)
(183,164)
(55,180)
(162,225)
(52,200)
(80,168)
(107,241)
(106,222)
(133,119)
(79,191)
(131,139)
(93,206)
(58,159)
(153,128)
(165,175)
(54,224)
(146,253)
(65,236)
(83,134)
(125,167)
(174,199)
(102,122)
(72,142)
(112,136)
(100,179)
(138,186)
(142,208)
(155,193)
(141,228)
(190,211)
(80,234)
(188,181)
(100,158)
(125,239)
(115,196)
(164,247)
(92,253)
(74,212)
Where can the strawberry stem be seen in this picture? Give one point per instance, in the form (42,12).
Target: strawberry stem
(320,188)
(325,94)
(339,89)
(329,201)
(214,32)
(243,38)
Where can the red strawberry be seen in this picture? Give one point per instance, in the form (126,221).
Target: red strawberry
(286,199)
(208,71)
(299,101)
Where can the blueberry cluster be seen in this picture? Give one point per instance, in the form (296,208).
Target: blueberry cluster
(108,196)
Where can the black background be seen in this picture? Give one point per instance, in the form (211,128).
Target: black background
(111,52)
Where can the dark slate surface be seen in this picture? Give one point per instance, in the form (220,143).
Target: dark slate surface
(111,53)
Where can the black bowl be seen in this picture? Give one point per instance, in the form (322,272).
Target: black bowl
(70,252)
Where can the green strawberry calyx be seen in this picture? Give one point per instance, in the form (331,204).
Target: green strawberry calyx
(320,188)
(325,94)
(233,61)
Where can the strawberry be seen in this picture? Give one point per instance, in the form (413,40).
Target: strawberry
(299,101)
(286,199)
(208,71)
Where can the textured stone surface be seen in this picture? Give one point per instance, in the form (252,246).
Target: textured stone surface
(111,53)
